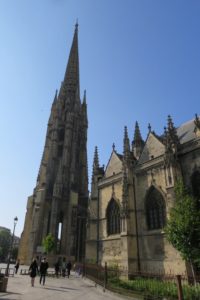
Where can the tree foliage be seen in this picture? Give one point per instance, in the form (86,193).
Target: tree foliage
(48,243)
(5,239)
(183,226)
(14,253)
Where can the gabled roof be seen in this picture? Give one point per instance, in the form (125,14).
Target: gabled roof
(186,132)
(114,165)
(153,148)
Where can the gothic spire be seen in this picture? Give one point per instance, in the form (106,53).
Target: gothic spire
(172,131)
(71,79)
(126,160)
(197,121)
(95,161)
(84,97)
(52,115)
(138,143)
(171,139)
(84,110)
(56,97)
(149,127)
(126,149)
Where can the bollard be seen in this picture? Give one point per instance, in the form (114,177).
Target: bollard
(179,287)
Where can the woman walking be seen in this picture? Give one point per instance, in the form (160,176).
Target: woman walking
(33,271)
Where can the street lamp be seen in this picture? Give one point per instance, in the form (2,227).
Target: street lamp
(11,246)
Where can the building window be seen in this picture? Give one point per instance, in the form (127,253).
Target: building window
(113,217)
(155,210)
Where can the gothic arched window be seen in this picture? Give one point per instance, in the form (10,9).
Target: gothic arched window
(113,217)
(155,210)
(196,184)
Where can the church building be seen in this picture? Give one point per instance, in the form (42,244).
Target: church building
(131,199)
(122,221)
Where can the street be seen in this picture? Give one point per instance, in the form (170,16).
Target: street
(19,288)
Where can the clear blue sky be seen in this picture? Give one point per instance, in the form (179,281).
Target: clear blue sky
(139,60)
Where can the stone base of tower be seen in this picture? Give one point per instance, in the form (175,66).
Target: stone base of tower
(24,248)
(91,252)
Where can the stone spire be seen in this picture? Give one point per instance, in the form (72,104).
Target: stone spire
(84,112)
(171,137)
(126,150)
(97,173)
(62,185)
(95,162)
(84,98)
(71,83)
(55,97)
(138,143)
(125,169)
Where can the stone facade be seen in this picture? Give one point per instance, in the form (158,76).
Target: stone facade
(130,200)
(138,189)
(59,201)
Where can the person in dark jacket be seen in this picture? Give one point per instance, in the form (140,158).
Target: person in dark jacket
(57,268)
(43,270)
(33,271)
(69,266)
(17,266)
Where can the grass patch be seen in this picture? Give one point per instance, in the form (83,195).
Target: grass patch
(157,289)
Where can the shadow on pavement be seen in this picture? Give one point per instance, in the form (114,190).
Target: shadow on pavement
(61,289)
(71,289)
(2,295)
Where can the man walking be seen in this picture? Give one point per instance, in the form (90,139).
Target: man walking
(69,266)
(43,270)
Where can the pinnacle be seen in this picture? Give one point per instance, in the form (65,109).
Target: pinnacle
(71,79)
(96,159)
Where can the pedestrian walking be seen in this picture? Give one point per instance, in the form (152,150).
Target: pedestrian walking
(69,266)
(43,270)
(17,266)
(57,268)
(63,267)
(33,271)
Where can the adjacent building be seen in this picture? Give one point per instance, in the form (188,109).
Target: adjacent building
(130,200)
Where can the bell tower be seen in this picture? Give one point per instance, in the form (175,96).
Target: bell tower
(59,201)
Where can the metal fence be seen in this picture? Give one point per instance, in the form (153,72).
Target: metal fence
(151,286)
(11,271)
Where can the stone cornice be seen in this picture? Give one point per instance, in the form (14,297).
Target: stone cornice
(189,146)
(109,180)
(155,162)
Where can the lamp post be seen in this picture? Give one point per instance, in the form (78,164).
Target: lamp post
(11,246)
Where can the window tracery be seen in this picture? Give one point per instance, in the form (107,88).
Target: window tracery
(113,217)
(155,210)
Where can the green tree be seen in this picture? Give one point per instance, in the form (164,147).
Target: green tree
(14,253)
(5,239)
(183,226)
(48,243)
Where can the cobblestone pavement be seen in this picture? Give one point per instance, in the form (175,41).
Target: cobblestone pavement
(19,288)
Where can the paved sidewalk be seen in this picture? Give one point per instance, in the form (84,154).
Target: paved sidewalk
(19,288)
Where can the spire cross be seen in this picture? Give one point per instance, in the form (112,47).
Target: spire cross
(113,146)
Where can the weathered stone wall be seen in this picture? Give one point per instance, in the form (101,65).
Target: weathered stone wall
(23,254)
